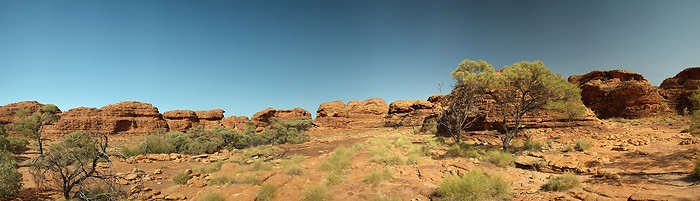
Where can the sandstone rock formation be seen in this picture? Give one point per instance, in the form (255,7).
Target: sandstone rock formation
(236,122)
(181,120)
(129,118)
(410,112)
(619,93)
(8,112)
(262,119)
(369,113)
(678,88)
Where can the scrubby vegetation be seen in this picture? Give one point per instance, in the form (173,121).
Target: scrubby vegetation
(14,145)
(496,157)
(293,165)
(377,176)
(474,185)
(531,145)
(582,145)
(696,171)
(206,169)
(336,164)
(181,178)
(267,193)
(562,183)
(11,178)
(198,140)
(316,193)
(212,196)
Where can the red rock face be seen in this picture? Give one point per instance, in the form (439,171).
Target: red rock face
(262,119)
(677,89)
(127,118)
(8,112)
(236,122)
(619,93)
(369,113)
(181,120)
(410,112)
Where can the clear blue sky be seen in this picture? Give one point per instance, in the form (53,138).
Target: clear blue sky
(244,56)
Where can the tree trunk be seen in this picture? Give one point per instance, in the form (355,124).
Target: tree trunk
(38,140)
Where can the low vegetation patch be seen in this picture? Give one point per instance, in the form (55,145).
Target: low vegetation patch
(531,145)
(220,180)
(261,166)
(212,196)
(197,140)
(14,145)
(316,193)
(582,145)
(181,178)
(493,156)
(562,183)
(474,185)
(206,169)
(267,193)
(375,177)
(293,166)
(11,178)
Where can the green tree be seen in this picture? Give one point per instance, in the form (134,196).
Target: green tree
(519,89)
(72,162)
(462,104)
(11,178)
(694,128)
(32,125)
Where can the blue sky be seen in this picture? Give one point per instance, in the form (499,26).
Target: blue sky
(244,56)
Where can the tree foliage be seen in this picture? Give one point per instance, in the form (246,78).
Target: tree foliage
(517,90)
(31,125)
(11,178)
(72,163)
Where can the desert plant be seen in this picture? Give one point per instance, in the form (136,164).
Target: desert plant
(340,159)
(462,109)
(293,166)
(248,179)
(212,196)
(562,183)
(375,177)
(261,166)
(291,131)
(518,89)
(474,185)
(335,177)
(316,193)
(219,180)
(32,125)
(267,193)
(181,178)
(73,161)
(11,178)
(582,145)
(206,169)
(499,158)
(14,145)
(532,145)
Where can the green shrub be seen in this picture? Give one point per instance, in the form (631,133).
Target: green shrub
(15,145)
(375,177)
(181,178)
(248,179)
(532,145)
(582,145)
(99,194)
(11,178)
(340,159)
(562,183)
(292,131)
(335,177)
(499,158)
(462,149)
(206,169)
(259,165)
(267,193)
(696,172)
(474,185)
(293,165)
(220,180)
(316,193)
(212,196)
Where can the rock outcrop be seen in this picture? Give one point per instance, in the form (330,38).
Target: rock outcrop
(677,89)
(410,112)
(181,120)
(262,119)
(619,93)
(8,112)
(128,118)
(369,113)
(236,122)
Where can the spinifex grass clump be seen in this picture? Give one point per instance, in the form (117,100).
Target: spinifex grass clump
(562,183)
(475,185)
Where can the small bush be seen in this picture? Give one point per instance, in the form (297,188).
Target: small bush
(292,131)
(212,196)
(249,179)
(334,178)
(375,177)
(474,185)
(14,145)
(316,193)
(293,165)
(582,145)
(532,145)
(99,194)
(267,193)
(259,165)
(206,169)
(181,178)
(220,180)
(462,149)
(562,183)
(696,172)
(499,158)
(11,178)
(340,159)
